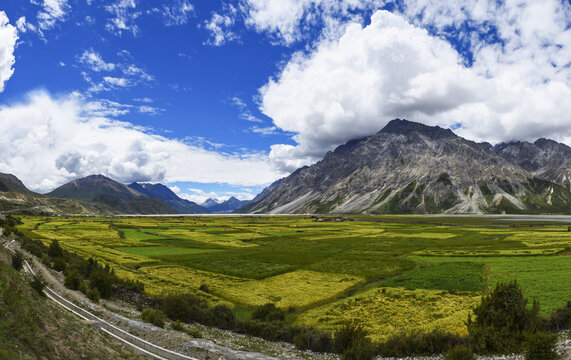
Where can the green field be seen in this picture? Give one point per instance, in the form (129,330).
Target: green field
(392,273)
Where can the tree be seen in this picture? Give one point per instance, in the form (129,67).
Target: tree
(502,320)
(55,250)
(17,261)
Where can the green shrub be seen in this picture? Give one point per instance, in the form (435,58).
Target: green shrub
(361,349)
(502,320)
(311,339)
(55,250)
(102,280)
(93,294)
(560,319)
(186,308)
(461,352)
(178,326)
(59,264)
(348,335)
(38,285)
(268,312)
(222,317)
(419,344)
(194,332)
(72,280)
(17,261)
(540,346)
(153,316)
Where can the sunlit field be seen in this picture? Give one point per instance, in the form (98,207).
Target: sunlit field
(391,273)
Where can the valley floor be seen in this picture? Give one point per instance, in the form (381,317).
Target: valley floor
(392,273)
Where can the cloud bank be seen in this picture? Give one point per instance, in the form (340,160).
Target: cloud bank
(46,141)
(8,37)
(517,86)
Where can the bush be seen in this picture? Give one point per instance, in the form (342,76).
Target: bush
(360,350)
(418,343)
(540,346)
(194,332)
(93,294)
(560,319)
(204,288)
(178,326)
(55,250)
(59,264)
(222,317)
(17,261)
(153,316)
(502,320)
(72,280)
(268,312)
(311,339)
(461,352)
(186,308)
(349,335)
(102,280)
(38,285)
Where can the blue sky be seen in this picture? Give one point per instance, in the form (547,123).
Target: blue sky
(220,98)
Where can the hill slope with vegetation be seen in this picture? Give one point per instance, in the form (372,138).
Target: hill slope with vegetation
(33,327)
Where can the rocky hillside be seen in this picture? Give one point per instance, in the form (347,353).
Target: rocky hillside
(182,206)
(113,195)
(9,182)
(408,167)
(33,327)
(545,159)
(15,197)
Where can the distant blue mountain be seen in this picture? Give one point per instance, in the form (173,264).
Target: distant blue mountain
(220,207)
(162,192)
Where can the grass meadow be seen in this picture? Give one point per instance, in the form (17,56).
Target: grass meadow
(391,273)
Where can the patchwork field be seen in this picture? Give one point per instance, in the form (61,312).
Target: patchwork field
(392,273)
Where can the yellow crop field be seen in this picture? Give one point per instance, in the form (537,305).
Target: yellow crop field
(296,289)
(520,252)
(160,280)
(387,311)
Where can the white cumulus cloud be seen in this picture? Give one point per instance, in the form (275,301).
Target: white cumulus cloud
(350,86)
(47,141)
(178,13)
(8,38)
(52,12)
(220,26)
(95,62)
(288,21)
(124,13)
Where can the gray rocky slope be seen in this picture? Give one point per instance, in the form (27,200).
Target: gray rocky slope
(408,167)
(545,159)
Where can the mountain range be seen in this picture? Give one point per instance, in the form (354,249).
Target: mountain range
(215,206)
(100,194)
(181,206)
(407,167)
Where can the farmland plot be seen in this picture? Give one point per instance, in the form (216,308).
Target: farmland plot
(388,272)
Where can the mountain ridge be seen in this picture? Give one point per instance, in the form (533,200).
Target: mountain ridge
(409,167)
(160,191)
(216,206)
(114,195)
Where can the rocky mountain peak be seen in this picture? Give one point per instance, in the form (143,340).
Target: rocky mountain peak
(405,127)
(411,167)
